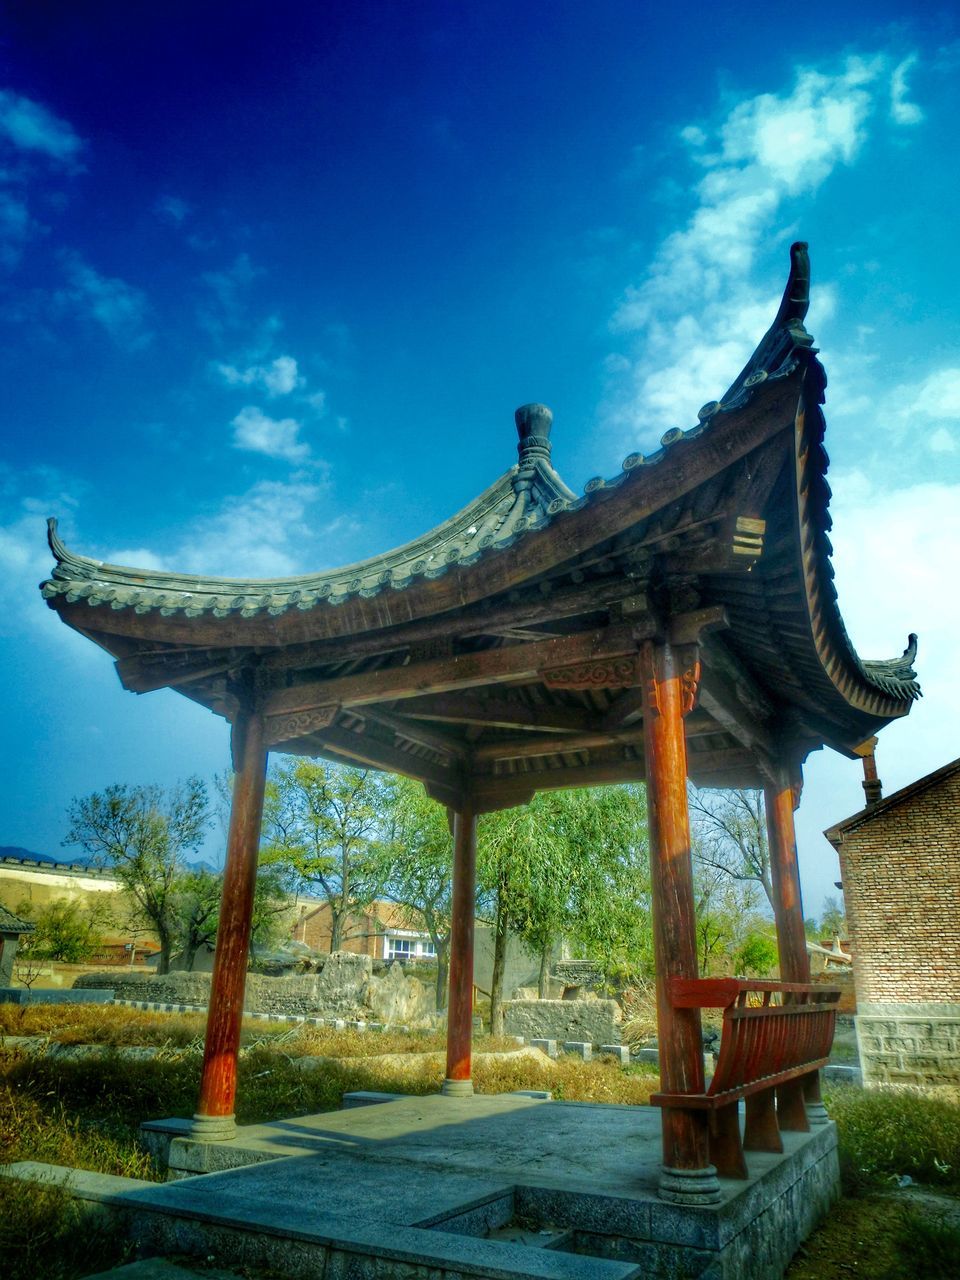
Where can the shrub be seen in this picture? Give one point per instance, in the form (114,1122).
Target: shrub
(884,1134)
(45,1233)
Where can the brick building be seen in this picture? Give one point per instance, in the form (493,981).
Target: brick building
(382,931)
(900,862)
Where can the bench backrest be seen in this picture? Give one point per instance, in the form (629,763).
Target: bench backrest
(780,1029)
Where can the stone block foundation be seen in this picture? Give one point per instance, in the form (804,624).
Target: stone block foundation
(909,1044)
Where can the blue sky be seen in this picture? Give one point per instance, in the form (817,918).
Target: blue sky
(273,279)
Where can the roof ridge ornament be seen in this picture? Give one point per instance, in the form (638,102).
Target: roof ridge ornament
(534,422)
(777,351)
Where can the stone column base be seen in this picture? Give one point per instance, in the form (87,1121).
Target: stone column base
(213,1128)
(689,1186)
(457,1088)
(817,1113)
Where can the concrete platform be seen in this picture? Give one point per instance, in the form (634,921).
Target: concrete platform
(502,1187)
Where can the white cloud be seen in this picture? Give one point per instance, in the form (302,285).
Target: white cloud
(938,396)
(697,314)
(135,558)
(259,534)
(29,126)
(254,431)
(121,309)
(26,499)
(894,558)
(902,111)
(942,441)
(278,378)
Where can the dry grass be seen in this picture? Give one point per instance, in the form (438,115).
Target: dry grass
(116,1025)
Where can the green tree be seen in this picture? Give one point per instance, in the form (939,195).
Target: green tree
(66,930)
(833,921)
(417,869)
(143,834)
(730,832)
(757,956)
(198,908)
(323,828)
(569,865)
(727,916)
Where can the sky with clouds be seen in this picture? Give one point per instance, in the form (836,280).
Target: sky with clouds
(273,279)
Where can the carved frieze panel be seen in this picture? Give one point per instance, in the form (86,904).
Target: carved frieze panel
(299,724)
(605,673)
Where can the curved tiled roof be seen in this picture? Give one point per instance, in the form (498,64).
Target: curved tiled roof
(526,498)
(9,923)
(524,502)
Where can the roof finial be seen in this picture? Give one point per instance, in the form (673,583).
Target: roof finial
(533,427)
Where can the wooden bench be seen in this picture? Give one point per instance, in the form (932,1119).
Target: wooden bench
(776,1036)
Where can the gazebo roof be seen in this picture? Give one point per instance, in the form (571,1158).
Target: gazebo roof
(13,925)
(448,657)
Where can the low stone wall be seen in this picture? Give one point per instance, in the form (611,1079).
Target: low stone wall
(909,1044)
(343,988)
(590,1021)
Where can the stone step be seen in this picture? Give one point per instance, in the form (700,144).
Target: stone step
(163,1269)
(168,1217)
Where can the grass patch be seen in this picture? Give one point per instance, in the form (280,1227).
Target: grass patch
(47,1235)
(117,1026)
(879,1239)
(884,1134)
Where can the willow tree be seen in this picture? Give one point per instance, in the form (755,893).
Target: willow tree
(417,871)
(570,865)
(323,828)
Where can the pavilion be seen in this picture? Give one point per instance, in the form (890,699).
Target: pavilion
(678,620)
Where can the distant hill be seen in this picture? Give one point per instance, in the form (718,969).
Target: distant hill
(14,851)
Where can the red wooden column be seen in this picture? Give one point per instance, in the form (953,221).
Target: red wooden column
(687,1176)
(214,1119)
(785,878)
(458,1082)
(779,803)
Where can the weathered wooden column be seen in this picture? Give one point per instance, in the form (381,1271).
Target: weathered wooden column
(458,1082)
(780,799)
(687,1176)
(214,1119)
(785,877)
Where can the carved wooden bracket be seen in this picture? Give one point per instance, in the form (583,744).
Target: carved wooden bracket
(689,679)
(299,724)
(605,673)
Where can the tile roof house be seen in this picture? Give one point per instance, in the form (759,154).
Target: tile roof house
(12,929)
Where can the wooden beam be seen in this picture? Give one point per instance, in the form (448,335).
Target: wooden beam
(499,713)
(551,605)
(364,749)
(503,792)
(463,671)
(414,732)
(731,695)
(703,763)
(529,747)
(627,708)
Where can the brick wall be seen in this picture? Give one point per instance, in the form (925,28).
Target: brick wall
(901,883)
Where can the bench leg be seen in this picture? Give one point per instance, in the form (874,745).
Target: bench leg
(761,1131)
(726,1151)
(791,1111)
(816,1111)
